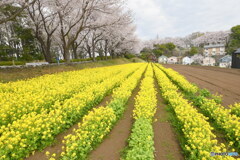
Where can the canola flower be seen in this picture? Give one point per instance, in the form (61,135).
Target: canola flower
(35,131)
(40,94)
(179,79)
(146,101)
(230,123)
(121,94)
(197,131)
(93,129)
(141,144)
(235,109)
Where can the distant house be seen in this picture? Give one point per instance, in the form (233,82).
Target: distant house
(236,59)
(209,61)
(187,61)
(225,62)
(197,59)
(172,60)
(214,50)
(162,59)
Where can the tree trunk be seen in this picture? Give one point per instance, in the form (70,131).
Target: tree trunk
(100,51)
(46,49)
(93,50)
(106,49)
(66,54)
(89,51)
(112,54)
(74,48)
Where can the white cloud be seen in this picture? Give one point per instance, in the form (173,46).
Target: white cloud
(168,18)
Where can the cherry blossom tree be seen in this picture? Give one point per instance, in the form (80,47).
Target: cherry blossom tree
(72,28)
(196,39)
(212,38)
(76,16)
(20,6)
(44,23)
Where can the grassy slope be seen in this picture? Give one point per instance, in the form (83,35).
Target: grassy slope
(14,74)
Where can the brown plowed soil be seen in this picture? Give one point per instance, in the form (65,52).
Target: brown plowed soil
(165,141)
(111,147)
(217,80)
(57,147)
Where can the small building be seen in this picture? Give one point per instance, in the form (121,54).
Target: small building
(197,59)
(172,60)
(163,59)
(236,59)
(214,50)
(209,61)
(187,61)
(225,62)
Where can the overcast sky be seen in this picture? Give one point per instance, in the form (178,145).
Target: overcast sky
(171,18)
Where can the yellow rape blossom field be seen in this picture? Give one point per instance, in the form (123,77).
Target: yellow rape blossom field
(34,113)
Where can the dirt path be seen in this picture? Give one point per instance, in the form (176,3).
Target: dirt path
(223,81)
(57,146)
(165,141)
(111,147)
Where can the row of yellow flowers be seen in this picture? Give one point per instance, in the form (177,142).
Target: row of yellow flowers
(98,123)
(224,119)
(141,144)
(198,133)
(230,123)
(145,105)
(179,79)
(36,131)
(190,90)
(40,94)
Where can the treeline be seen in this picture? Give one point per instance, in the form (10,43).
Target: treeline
(191,44)
(65,29)
(167,49)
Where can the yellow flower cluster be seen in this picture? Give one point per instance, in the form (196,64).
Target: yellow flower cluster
(179,79)
(141,144)
(235,109)
(98,123)
(91,131)
(228,122)
(197,131)
(146,101)
(40,94)
(37,130)
(122,93)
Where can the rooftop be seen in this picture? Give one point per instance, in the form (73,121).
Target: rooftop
(162,56)
(226,58)
(238,50)
(214,46)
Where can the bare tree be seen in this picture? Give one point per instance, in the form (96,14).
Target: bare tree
(21,5)
(76,16)
(44,24)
